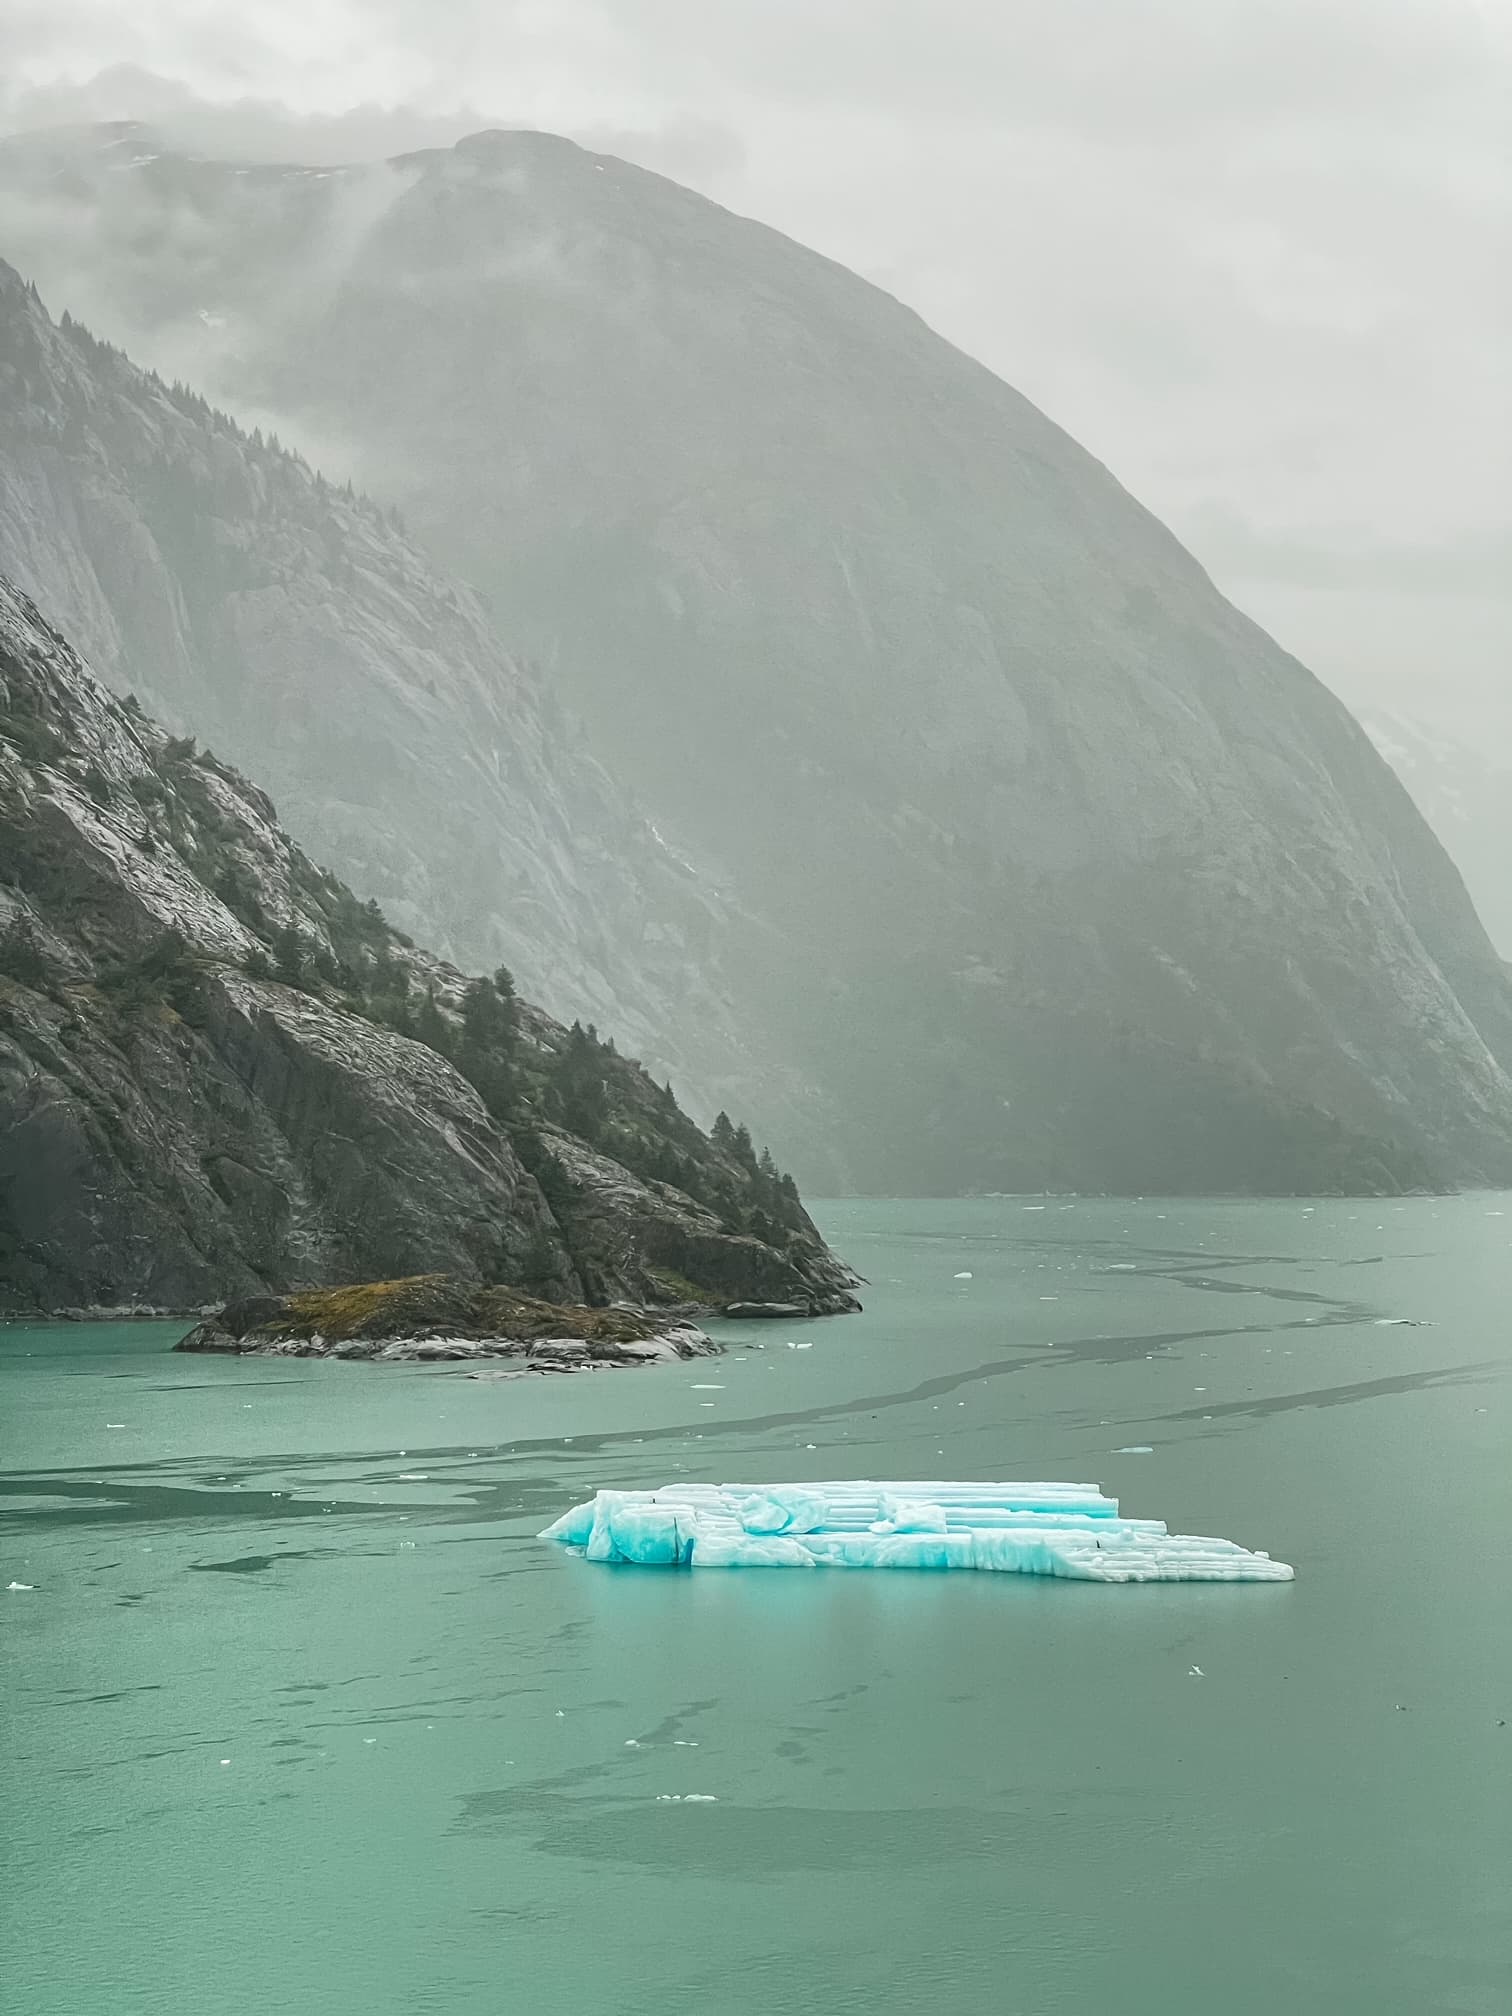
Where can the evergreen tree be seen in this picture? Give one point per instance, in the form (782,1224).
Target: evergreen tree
(431,1026)
(485,1055)
(289,955)
(488,1017)
(578,1082)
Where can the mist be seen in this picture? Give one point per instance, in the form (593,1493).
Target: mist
(1247,255)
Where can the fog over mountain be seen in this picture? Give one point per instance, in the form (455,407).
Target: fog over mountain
(1072,877)
(1249,254)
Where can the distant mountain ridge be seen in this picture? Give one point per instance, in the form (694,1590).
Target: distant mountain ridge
(1464,790)
(1072,877)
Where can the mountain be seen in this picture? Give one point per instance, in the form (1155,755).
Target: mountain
(1070,876)
(1464,790)
(222,1075)
(294,625)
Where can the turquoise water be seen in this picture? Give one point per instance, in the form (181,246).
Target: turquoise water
(299,1717)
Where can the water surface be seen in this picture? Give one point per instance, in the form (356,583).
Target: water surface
(300,1718)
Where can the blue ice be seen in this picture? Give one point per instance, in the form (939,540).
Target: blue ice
(1070,1530)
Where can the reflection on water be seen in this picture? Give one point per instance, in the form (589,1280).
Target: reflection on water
(300,1717)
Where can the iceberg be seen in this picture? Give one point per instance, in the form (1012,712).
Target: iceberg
(1066,1530)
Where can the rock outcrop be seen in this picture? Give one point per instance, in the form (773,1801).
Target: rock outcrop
(221,1075)
(433,1319)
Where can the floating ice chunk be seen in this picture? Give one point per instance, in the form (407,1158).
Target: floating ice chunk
(963,1277)
(1066,1530)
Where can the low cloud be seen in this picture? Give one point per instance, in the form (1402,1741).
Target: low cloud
(1251,256)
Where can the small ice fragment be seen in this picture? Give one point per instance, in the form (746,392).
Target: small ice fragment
(407,1477)
(115,1424)
(806,1345)
(370,1739)
(706,1387)
(1135,1449)
(632,1743)
(24,1587)
(1196,1673)
(561,1714)
(963,1277)
(700,1799)
(224,1762)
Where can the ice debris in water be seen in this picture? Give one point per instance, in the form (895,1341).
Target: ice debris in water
(1069,1530)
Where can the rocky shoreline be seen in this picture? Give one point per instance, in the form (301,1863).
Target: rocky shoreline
(435,1319)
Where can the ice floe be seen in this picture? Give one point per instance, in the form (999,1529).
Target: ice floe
(1068,1530)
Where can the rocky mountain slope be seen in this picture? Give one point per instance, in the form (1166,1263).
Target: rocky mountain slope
(296,627)
(1463,786)
(1075,878)
(221,1074)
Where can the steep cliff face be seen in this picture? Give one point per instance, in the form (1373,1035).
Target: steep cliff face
(297,628)
(1461,780)
(221,1074)
(1076,879)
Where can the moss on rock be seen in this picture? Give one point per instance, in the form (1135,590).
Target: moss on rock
(362,1318)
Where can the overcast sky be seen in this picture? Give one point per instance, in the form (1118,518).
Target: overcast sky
(1252,253)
